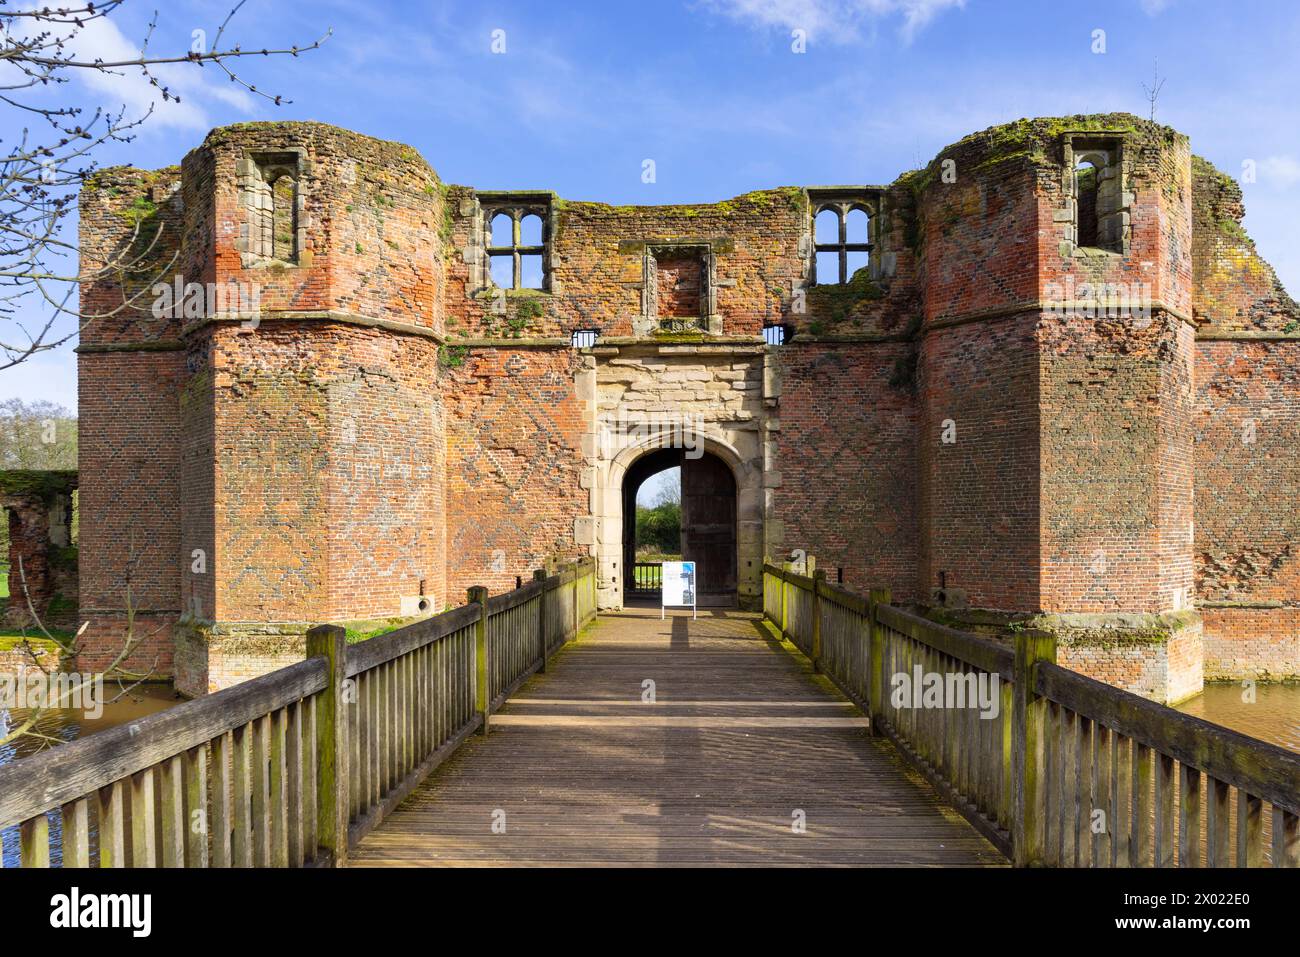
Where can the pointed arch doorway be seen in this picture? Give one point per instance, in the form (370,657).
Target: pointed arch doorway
(708,528)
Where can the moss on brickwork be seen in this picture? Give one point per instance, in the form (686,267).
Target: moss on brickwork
(835,303)
(453,357)
(1034,142)
(1235,286)
(42,485)
(1111,630)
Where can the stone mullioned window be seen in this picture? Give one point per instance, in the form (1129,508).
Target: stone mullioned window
(515,237)
(843,224)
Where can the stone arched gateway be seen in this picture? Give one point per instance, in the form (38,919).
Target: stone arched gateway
(629,425)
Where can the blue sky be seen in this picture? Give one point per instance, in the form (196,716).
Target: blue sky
(712,91)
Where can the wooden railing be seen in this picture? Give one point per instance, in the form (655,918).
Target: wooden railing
(647,578)
(296,766)
(1063,770)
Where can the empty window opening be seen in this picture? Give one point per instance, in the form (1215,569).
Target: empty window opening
(503,271)
(857,227)
(856,262)
(1085,193)
(852,231)
(503,230)
(270,187)
(530,230)
(828,227)
(1097,182)
(828,268)
(531,272)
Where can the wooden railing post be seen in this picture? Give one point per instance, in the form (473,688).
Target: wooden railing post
(785,603)
(876,682)
(330,642)
(1029,751)
(575,601)
(818,578)
(478,594)
(542,618)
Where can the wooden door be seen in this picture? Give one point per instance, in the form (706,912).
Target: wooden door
(709,523)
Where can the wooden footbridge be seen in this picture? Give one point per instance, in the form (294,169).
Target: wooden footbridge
(676,742)
(520,729)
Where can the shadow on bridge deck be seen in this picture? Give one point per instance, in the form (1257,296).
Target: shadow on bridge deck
(743,736)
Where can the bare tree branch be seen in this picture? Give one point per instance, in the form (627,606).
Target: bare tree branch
(41,172)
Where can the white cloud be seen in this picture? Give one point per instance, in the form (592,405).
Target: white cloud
(838,21)
(1154,7)
(129,88)
(1279,170)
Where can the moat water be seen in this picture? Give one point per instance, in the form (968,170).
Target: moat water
(59,725)
(1273,715)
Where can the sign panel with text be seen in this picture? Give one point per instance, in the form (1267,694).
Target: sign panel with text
(678,586)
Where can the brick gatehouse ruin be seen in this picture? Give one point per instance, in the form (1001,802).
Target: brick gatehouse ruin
(1043,382)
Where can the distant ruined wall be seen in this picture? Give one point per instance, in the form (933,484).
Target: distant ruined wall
(1247,427)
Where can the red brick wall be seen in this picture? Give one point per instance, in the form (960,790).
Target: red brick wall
(598,263)
(1261,643)
(1116,456)
(130,454)
(678,286)
(1247,471)
(328,472)
(1116,395)
(373,212)
(979,495)
(1247,425)
(847,492)
(514,457)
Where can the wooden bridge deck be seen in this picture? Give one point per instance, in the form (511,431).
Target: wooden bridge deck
(743,735)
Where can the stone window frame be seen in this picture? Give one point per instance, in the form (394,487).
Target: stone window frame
(708,320)
(257,173)
(518,206)
(842,202)
(1111,148)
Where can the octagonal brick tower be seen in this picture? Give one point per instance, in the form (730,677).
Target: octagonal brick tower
(305,444)
(1057,385)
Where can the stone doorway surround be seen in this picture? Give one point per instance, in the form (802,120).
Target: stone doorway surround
(645,397)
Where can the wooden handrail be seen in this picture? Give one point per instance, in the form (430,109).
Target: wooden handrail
(45,781)
(295,766)
(513,599)
(394,644)
(974,650)
(1021,779)
(1263,769)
